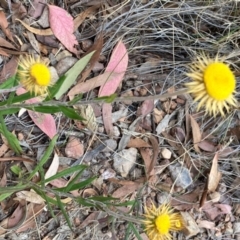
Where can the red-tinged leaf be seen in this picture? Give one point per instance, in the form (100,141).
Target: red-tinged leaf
(62,26)
(9,69)
(44,121)
(107,118)
(118,64)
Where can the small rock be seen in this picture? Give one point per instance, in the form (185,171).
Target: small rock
(111,145)
(180,175)
(116,132)
(124,160)
(236,227)
(74,148)
(190,226)
(65,64)
(166,153)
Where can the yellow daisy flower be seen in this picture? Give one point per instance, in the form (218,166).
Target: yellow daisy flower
(160,221)
(34,74)
(213,85)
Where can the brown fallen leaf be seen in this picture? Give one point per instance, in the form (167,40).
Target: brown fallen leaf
(214,175)
(145,108)
(9,69)
(90,219)
(197,136)
(138,143)
(33,210)
(6,44)
(29,196)
(206,224)
(4,26)
(207,146)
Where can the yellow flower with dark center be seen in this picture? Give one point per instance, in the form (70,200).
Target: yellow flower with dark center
(34,74)
(213,85)
(159,222)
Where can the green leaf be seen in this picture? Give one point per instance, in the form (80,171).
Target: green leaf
(19,98)
(9,111)
(60,204)
(44,158)
(55,88)
(45,109)
(107,99)
(76,99)
(71,113)
(135,231)
(66,172)
(16,169)
(73,73)
(103,199)
(77,186)
(9,83)
(12,139)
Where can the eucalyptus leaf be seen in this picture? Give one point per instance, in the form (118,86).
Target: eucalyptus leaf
(72,74)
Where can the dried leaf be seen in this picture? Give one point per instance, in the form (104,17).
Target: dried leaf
(138,143)
(9,69)
(207,146)
(83,87)
(5,43)
(4,26)
(33,210)
(206,224)
(30,196)
(44,121)
(96,48)
(107,118)
(52,170)
(62,26)
(42,32)
(214,175)
(118,64)
(145,108)
(197,136)
(90,219)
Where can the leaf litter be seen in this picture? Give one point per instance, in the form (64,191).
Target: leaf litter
(162,133)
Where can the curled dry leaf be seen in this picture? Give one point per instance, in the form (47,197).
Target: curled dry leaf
(30,196)
(52,170)
(214,175)
(197,136)
(4,26)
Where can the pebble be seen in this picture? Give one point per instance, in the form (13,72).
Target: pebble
(166,153)
(180,175)
(124,160)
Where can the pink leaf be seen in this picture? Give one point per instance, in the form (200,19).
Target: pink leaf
(62,26)
(118,64)
(44,121)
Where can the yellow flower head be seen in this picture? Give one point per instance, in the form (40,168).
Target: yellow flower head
(213,85)
(160,221)
(34,74)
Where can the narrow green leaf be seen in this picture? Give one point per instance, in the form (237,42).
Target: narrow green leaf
(19,98)
(73,73)
(77,185)
(107,99)
(76,99)
(60,204)
(135,231)
(55,88)
(12,140)
(66,172)
(45,109)
(45,157)
(9,111)
(103,199)
(70,112)
(9,83)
